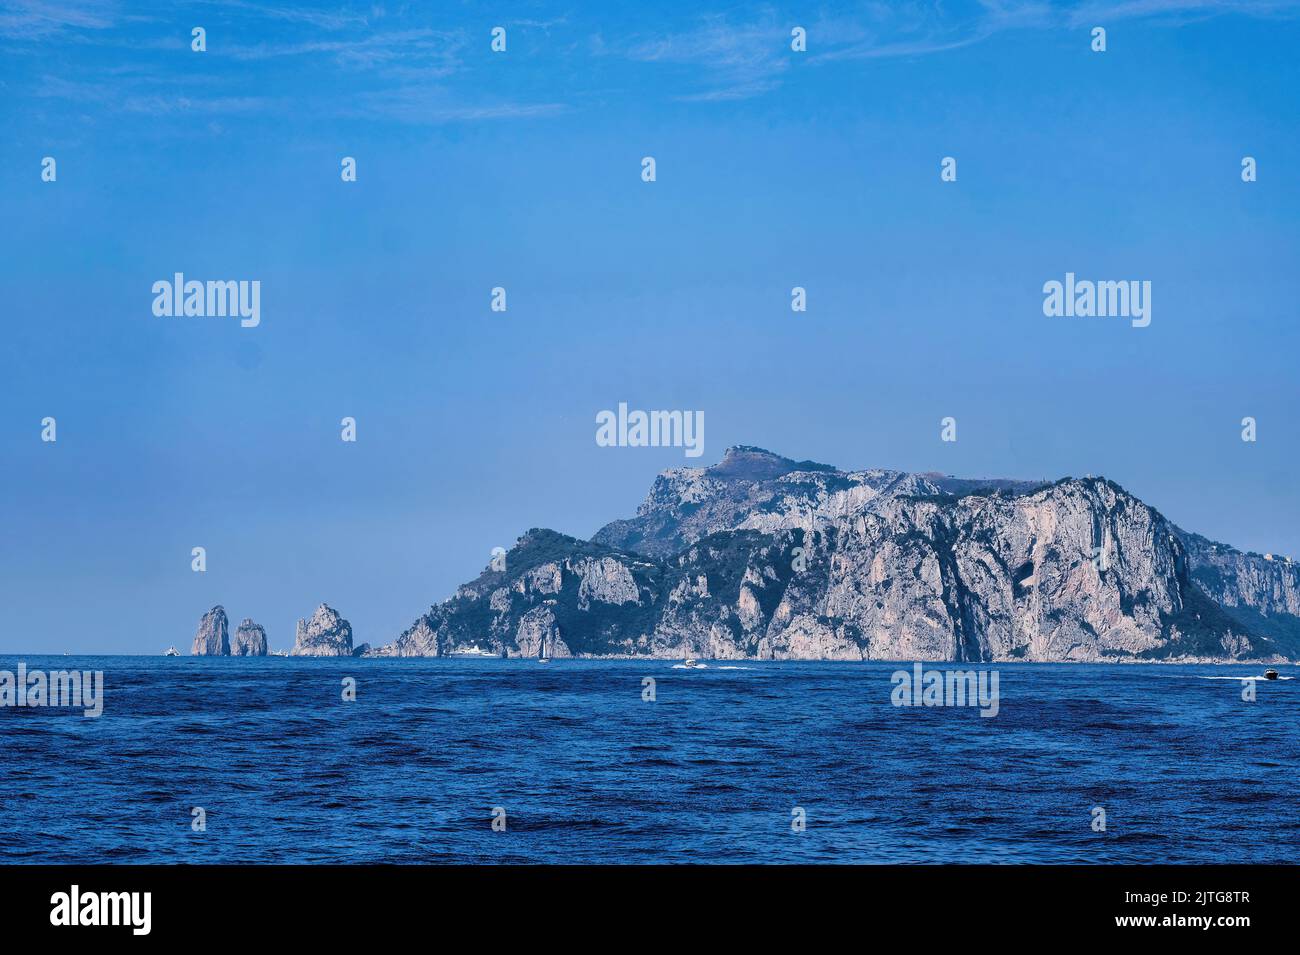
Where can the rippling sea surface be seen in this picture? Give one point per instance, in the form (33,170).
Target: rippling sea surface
(587,771)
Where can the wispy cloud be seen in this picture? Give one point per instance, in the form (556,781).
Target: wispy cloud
(421,46)
(919,29)
(324,19)
(736,60)
(34,19)
(146,94)
(421,105)
(406,65)
(162,105)
(1103,11)
(320,63)
(732,60)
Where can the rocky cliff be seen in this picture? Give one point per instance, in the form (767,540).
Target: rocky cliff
(249,641)
(326,634)
(761,556)
(213,637)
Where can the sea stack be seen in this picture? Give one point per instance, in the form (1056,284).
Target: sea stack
(213,637)
(326,634)
(250,640)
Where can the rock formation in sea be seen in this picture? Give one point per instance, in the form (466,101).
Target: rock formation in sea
(249,641)
(326,634)
(212,638)
(761,556)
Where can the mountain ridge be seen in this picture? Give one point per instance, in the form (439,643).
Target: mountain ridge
(762,556)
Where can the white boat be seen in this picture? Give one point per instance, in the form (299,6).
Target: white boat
(473,652)
(172,652)
(691,662)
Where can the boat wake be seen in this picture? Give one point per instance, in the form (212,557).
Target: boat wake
(1275,679)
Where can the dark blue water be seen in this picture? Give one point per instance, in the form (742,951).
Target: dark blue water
(588,772)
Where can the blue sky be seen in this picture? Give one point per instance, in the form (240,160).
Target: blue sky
(522,170)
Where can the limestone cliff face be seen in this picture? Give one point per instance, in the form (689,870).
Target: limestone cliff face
(213,637)
(249,641)
(1261,592)
(326,634)
(561,595)
(764,557)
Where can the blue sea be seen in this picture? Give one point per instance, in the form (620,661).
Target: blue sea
(587,771)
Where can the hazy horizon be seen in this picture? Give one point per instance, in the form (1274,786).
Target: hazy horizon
(286,644)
